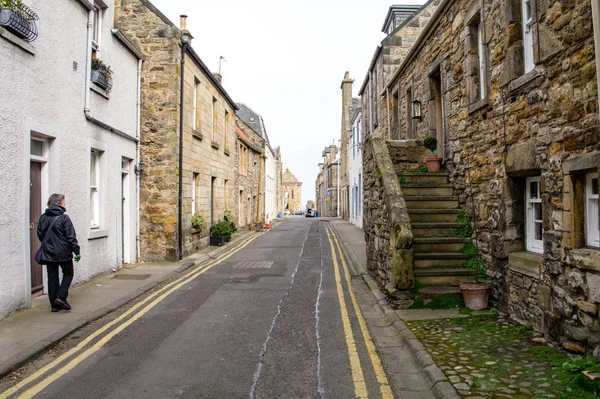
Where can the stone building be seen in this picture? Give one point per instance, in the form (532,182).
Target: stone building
(188,140)
(279,210)
(327,183)
(402,27)
(509,88)
(66,128)
(292,192)
(347,103)
(250,179)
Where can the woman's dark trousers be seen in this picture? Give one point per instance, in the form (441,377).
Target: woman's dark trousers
(56,290)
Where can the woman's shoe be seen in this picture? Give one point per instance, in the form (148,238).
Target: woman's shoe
(55,310)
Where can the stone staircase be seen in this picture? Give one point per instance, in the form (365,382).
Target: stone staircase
(433,210)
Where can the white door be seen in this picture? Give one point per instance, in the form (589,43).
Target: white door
(125,212)
(533,218)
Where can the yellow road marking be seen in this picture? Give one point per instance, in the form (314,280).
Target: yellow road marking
(178,284)
(386,390)
(360,387)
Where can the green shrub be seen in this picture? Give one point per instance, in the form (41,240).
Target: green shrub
(379,175)
(221,229)
(99,65)
(430,143)
(471,264)
(421,169)
(230,218)
(198,221)
(469,249)
(466,228)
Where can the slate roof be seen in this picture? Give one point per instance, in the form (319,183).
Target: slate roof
(253,120)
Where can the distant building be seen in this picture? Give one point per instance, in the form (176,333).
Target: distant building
(292,192)
(327,183)
(355,166)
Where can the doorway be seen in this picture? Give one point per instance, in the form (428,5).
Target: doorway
(125,212)
(212,200)
(35,211)
(436,124)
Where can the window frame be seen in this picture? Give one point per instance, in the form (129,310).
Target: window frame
(533,244)
(98,10)
(527,27)
(213,130)
(592,239)
(196,114)
(482,68)
(95,188)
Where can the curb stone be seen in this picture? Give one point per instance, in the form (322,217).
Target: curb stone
(36,348)
(441,387)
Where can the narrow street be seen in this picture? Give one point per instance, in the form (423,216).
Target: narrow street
(277,316)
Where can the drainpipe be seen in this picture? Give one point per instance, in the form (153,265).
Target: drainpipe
(138,158)
(180,194)
(259,187)
(370,103)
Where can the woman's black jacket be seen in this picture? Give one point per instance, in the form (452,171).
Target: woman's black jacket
(62,241)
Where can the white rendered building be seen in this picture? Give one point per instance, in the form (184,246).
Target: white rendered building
(270,184)
(61,133)
(355,170)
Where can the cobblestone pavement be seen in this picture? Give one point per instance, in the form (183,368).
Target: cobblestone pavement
(487,357)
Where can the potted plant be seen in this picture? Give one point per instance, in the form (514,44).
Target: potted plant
(219,232)
(198,222)
(18,19)
(101,74)
(434,164)
(229,217)
(476,293)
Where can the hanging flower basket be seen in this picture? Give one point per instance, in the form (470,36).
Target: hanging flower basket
(18,19)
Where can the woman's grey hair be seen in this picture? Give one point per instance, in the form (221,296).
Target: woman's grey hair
(55,199)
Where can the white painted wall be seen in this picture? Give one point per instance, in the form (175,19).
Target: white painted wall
(355,173)
(270,184)
(42,95)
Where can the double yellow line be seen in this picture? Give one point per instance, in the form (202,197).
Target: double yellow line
(78,354)
(360,386)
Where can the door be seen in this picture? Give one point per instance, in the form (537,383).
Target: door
(35,211)
(436,124)
(125,214)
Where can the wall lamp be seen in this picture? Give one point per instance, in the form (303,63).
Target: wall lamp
(416,110)
(139,168)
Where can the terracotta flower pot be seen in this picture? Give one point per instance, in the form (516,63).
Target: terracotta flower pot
(476,295)
(434,164)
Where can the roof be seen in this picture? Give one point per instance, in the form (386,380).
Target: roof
(407,10)
(253,119)
(288,177)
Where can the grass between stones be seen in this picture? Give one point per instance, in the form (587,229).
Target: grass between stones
(484,356)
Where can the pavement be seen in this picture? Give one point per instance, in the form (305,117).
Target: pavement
(29,332)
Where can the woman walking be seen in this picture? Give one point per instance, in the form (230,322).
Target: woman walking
(57,250)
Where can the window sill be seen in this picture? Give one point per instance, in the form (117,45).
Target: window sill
(17,41)
(100,91)
(97,233)
(214,145)
(478,105)
(523,80)
(197,135)
(527,263)
(226,151)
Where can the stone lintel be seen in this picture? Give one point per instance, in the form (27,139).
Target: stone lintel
(521,160)
(583,162)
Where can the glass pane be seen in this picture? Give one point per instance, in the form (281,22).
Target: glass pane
(537,207)
(93,169)
(533,190)
(37,148)
(595,186)
(125,163)
(538,231)
(92,206)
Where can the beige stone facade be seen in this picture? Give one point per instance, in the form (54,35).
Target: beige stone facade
(291,189)
(517,127)
(209,138)
(327,183)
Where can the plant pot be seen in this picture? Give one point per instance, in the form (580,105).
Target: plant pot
(434,164)
(475,295)
(227,239)
(101,79)
(217,241)
(21,24)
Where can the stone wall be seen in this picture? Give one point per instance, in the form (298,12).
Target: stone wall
(541,123)
(248,182)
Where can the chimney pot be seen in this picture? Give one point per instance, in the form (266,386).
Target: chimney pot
(182,22)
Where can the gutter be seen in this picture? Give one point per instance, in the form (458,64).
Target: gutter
(180,194)
(371,65)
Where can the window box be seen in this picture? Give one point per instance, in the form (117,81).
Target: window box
(102,79)
(19,20)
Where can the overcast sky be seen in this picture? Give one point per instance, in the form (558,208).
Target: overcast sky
(286,60)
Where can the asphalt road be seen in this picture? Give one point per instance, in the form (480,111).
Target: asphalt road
(275,319)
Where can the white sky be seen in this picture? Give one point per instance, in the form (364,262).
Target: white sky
(286,60)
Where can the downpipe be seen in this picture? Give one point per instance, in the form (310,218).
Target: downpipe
(180,194)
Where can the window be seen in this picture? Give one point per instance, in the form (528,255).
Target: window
(226,128)
(195,121)
(214,119)
(476,61)
(95,189)
(226,194)
(243,159)
(409,120)
(353,142)
(527,35)
(194,192)
(591,210)
(533,218)
(96,31)
(481,58)
(359,196)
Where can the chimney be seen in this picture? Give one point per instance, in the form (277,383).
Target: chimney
(219,77)
(186,36)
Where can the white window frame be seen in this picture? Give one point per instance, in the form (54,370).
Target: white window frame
(194,191)
(213,128)
(527,22)
(226,116)
(97,28)
(533,244)
(95,187)
(481,56)
(592,235)
(195,121)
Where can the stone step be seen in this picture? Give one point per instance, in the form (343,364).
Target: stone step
(426,260)
(433,215)
(423,178)
(431,201)
(440,290)
(445,276)
(434,229)
(433,189)
(438,244)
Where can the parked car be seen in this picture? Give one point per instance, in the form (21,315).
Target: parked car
(299,213)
